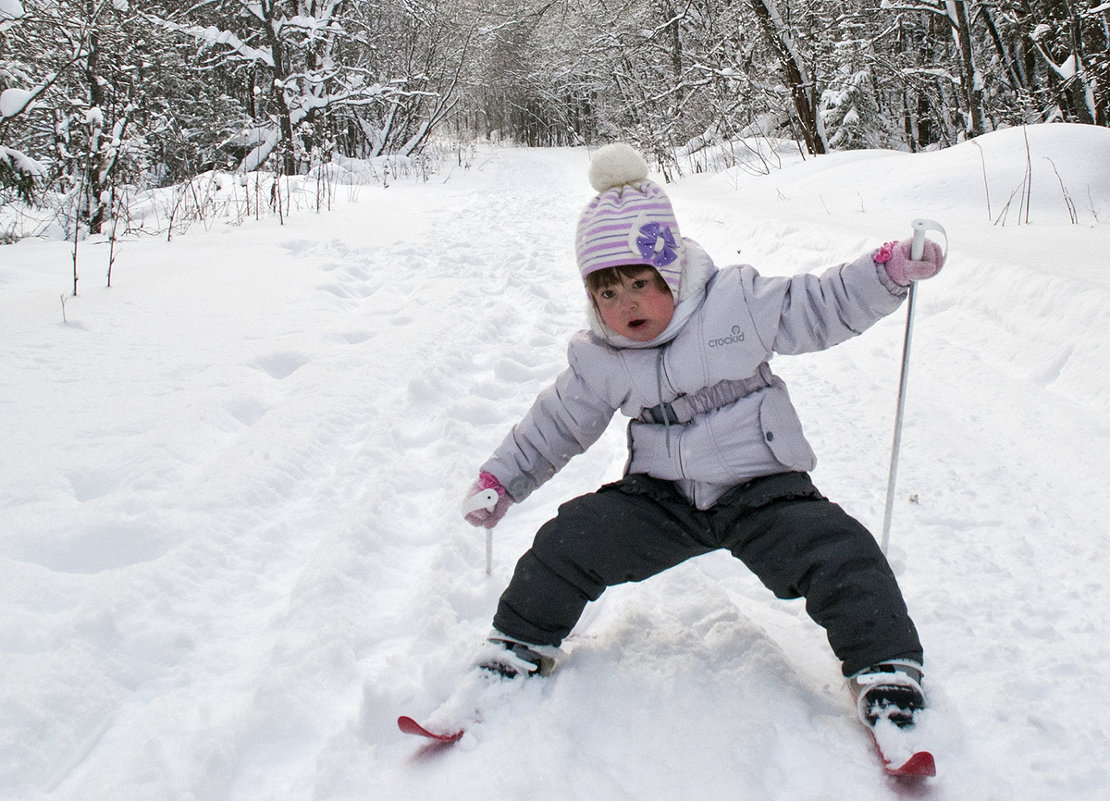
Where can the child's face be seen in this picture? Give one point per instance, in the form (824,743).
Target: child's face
(636,307)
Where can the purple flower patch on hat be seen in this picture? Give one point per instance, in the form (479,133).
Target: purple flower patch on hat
(657,244)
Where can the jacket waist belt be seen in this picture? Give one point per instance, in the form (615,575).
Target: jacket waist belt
(685,408)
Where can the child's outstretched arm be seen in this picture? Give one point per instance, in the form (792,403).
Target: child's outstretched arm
(565,420)
(810,312)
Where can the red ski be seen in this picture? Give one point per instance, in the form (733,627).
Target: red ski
(410,726)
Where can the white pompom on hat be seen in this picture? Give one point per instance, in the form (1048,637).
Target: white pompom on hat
(630,221)
(616,165)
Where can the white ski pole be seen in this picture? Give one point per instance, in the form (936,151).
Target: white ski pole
(486,499)
(917,249)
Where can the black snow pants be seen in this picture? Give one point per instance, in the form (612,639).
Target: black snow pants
(798,543)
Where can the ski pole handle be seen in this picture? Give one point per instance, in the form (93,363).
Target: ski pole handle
(486,499)
(920,226)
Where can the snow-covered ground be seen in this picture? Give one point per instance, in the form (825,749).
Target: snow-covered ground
(232,553)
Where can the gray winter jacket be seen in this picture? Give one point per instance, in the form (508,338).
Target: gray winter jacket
(706,411)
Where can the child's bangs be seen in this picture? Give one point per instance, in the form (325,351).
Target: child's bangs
(611,276)
(602,279)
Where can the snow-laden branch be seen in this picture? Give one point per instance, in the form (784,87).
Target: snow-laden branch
(1065,70)
(651,33)
(10,10)
(16,101)
(269,140)
(21,162)
(944,9)
(933,72)
(1070,70)
(890,5)
(212,36)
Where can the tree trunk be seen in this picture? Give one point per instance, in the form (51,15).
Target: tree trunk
(277,89)
(93,178)
(972,89)
(802,93)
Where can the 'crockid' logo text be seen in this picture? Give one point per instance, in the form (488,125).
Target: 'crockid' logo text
(737,337)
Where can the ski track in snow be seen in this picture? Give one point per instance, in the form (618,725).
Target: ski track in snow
(235,552)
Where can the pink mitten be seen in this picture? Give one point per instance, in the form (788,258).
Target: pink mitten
(482,515)
(895,257)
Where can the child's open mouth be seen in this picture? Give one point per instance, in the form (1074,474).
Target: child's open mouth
(634,324)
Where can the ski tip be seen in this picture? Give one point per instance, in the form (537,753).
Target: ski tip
(920,764)
(410,726)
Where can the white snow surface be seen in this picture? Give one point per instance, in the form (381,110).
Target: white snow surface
(232,551)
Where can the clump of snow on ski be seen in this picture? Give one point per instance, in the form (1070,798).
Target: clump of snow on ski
(469,701)
(475,700)
(905,751)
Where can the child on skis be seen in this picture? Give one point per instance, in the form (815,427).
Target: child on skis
(717,457)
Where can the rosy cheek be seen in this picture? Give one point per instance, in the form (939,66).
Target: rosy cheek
(609,317)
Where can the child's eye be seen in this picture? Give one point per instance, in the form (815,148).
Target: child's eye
(606,294)
(639,283)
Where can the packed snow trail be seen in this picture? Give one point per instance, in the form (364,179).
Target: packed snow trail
(236,553)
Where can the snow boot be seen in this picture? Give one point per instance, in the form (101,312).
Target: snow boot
(511,658)
(889,691)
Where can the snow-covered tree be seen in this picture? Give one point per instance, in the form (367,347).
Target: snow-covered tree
(379,75)
(849,114)
(1072,38)
(17,95)
(79,63)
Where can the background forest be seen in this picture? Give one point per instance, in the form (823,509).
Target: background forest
(102,98)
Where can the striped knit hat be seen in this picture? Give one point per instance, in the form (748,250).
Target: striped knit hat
(630,221)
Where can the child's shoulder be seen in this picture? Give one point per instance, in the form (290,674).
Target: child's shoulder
(730,280)
(587,343)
